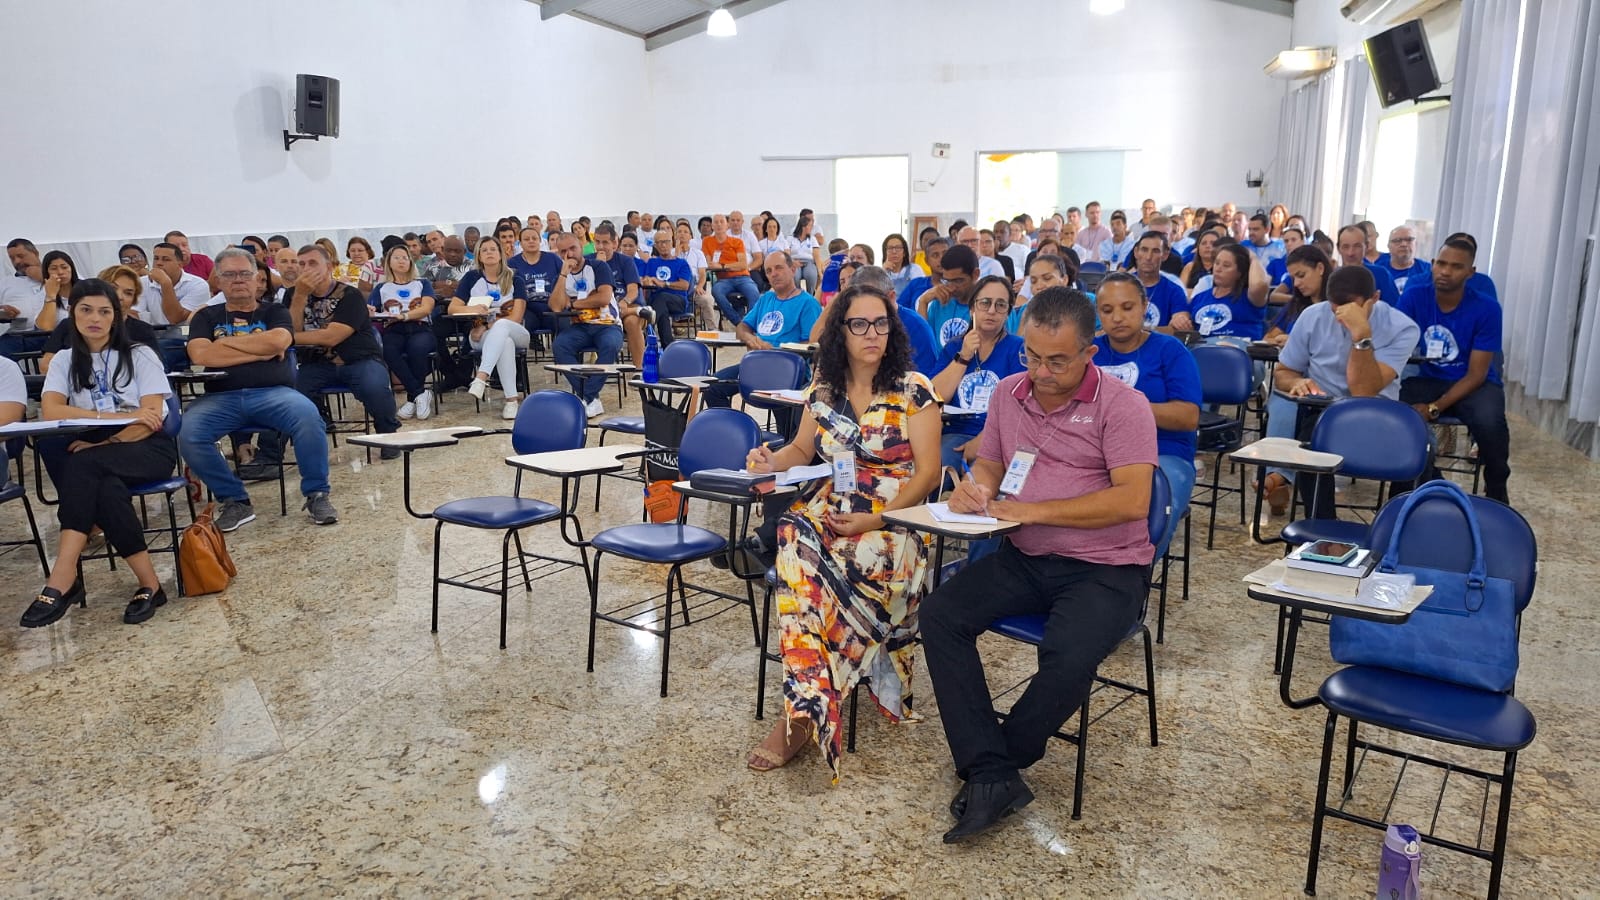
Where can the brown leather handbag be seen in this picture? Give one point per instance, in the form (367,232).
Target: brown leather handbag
(203,556)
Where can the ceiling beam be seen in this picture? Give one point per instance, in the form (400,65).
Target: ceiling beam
(696,24)
(549,9)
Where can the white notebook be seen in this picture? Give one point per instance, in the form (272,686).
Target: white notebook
(941,512)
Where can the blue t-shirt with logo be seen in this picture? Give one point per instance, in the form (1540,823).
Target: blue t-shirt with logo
(980,380)
(668,271)
(924,351)
(830,274)
(623,273)
(538,279)
(1233,314)
(950,320)
(1449,338)
(1162,369)
(1387,292)
(1166,297)
(915,288)
(1402,277)
(1266,253)
(783,321)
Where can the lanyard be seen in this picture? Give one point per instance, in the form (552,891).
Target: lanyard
(102,374)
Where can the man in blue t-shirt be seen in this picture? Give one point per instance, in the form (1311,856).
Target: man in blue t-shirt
(1260,244)
(932,254)
(666,280)
(1460,336)
(924,351)
(945,304)
(624,287)
(1401,261)
(539,272)
(1352,245)
(783,315)
(1167,299)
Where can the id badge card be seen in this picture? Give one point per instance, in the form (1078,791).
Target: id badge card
(1017,471)
(104,403)
(1435,349)
(844,473)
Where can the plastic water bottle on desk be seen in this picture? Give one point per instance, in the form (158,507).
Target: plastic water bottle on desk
(652,356)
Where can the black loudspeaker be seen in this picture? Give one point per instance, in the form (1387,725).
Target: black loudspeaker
(316,105)
(1402,64)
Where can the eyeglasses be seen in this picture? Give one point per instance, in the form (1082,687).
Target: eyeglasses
(1058,365)
(859,326)
(235,276)
(987,303)
(131,260)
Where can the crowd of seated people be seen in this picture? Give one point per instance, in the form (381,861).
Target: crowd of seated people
(1094,386)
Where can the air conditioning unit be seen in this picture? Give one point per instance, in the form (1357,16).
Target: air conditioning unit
(1363,11)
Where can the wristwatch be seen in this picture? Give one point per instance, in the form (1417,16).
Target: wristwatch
(1363,344)
(1433,411)
(964,360)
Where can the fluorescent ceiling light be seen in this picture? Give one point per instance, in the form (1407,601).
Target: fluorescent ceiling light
(1300,62)
(1106,7)
(721,24)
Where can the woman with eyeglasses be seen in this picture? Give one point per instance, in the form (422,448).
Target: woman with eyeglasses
(362,269)
(60,276)
(897,262)
(851,582)
(102,374)
(970,366)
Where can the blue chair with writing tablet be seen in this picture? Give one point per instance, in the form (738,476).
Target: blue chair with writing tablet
(1029,629)
(1224,381)
(770,370)
(1380,440)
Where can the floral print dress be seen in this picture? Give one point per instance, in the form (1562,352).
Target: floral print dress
(848,607)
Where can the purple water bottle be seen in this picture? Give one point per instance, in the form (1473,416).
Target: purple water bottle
(1400,870)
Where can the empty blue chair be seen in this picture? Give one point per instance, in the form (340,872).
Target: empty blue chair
(770,370)
(715,437)
(1029,629)
(1224,381)
(546,421)
(1380,439)
(1436,536)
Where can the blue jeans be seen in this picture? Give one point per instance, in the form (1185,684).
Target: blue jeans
(1180,479)
(604,340)
(278,408)
(408,349)
(950,444)
(726,285)
(1282,413)
(367,379)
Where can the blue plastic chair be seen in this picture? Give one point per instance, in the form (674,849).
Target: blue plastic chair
(681,359)
(770,370)
(166,487)
(546,421)
(1380,439)
(713,438)
(14,490)
(1436,536)
(1029,629)
(1224,381)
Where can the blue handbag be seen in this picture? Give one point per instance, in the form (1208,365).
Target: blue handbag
(1464,633)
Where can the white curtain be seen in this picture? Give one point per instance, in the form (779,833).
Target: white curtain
(1548,210)
(1357,118)
(1301,149)
(1480,118)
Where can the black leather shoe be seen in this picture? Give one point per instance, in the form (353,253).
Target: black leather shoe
(988,803)
(51,605)
(143,605)
(389,453)
(958,803)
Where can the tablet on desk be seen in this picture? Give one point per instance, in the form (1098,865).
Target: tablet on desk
(588,370)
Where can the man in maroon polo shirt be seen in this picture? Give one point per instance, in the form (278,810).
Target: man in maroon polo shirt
(1069,453)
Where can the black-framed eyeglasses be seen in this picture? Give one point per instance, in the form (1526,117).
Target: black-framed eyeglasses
(858,326)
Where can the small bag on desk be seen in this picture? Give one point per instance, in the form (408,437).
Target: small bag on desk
(203,556)
(1465,632)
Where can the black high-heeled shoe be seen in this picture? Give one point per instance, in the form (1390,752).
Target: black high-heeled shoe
(51,605)
(143,605)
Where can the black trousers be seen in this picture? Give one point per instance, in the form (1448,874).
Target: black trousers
(1090,607)
(94,488)
(666,304)
(1484,413)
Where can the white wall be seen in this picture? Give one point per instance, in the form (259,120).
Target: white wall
(1317,23)
(843,77)
(126,119)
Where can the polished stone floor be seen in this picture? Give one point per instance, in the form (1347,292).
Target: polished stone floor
(304,733)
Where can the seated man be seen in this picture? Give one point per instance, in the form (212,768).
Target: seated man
(336,347)
(21,298)
(540,271)
(446,275)
(624,288)
(1401,261)
(1081,450)
(1168,306)
(667,279)
(782,315)
(250,341)
(932,254)
(1261,244)
(586,288)
(945,304)
(1352,244)
(1460,335)
(1115,250)
(1354,345)
(729,259)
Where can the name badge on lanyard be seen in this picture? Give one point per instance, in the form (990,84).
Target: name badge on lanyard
(844,472)
(1017,472)
(104,400)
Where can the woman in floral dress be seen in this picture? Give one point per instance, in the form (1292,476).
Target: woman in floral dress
(848,605)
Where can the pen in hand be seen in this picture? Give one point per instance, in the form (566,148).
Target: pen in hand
(984,509)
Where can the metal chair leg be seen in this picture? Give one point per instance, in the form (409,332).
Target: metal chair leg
(437,528)
(33,529)
(761,667)
(676,575)
(1497,862)
(1350,761)
(505,575)
(850,739)
(594,606)
(1322,802)
(1083,752)
(1150,686)
(527,583)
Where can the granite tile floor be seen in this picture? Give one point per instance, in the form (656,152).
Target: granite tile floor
(304,733)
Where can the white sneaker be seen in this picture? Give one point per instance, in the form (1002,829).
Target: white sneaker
(509,411)
(594,408)
(407,411)
(425,405)
(478,388)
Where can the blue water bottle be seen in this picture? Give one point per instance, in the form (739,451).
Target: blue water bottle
(652,356)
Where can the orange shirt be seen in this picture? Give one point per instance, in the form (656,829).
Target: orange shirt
(729,248)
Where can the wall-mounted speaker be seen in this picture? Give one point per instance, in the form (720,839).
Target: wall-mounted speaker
(1402,64)
(316,105)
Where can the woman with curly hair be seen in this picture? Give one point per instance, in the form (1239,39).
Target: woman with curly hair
(851,582)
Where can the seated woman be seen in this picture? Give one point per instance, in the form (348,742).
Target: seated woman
(851,584)
(408,342)
(60,275)
(1308,270)
(970,366)
(102,374)
(495,291)
(1160,367)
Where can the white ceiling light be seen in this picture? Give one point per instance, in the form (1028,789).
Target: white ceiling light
(721,24)
(1106,7)
(1301,62)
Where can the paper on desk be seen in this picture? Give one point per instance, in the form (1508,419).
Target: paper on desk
(803,474)
(17,429)
(95,423)
(941,513)
(951,409)
(790,395)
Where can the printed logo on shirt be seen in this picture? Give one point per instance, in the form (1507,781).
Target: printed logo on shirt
(238,326)
(1439,344)
(1152,315)
(771,324)
(975,389)
(1400,282)
(663,273)
(1213,317)
(953,329)
(578,285)
(1127,373)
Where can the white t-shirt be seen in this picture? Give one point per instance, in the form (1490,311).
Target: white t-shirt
(768,245)
(148,377)
(752,243)
(695,259)
(13,388)
(389,295)
(802,249)
(1018,252)
(192,291)
(26,295)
